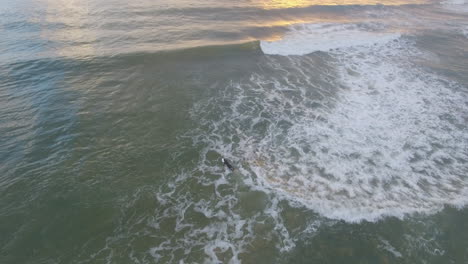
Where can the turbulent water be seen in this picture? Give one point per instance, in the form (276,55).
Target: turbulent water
(347,122)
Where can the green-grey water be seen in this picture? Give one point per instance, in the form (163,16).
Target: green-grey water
(346,122)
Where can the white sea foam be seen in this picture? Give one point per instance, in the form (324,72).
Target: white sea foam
(454,2)
(388,247)
(308,38)
(221,231)
(464,31)
(455,5)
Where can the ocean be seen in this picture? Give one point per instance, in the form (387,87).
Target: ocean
(346,121)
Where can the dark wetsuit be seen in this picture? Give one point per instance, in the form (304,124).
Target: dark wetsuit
(226,162)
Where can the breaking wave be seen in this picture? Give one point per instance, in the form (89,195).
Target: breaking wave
(456,5)
(308,38)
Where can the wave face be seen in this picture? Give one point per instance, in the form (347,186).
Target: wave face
(307,38)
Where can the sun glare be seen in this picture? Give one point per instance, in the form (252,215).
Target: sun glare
(276,4)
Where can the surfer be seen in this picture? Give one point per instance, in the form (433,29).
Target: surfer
(226,162)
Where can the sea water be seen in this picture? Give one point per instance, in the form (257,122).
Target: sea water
(346,122)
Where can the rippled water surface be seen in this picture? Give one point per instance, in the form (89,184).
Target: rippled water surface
(346,122)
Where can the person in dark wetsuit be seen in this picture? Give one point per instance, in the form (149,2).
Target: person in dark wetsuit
(226,162)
